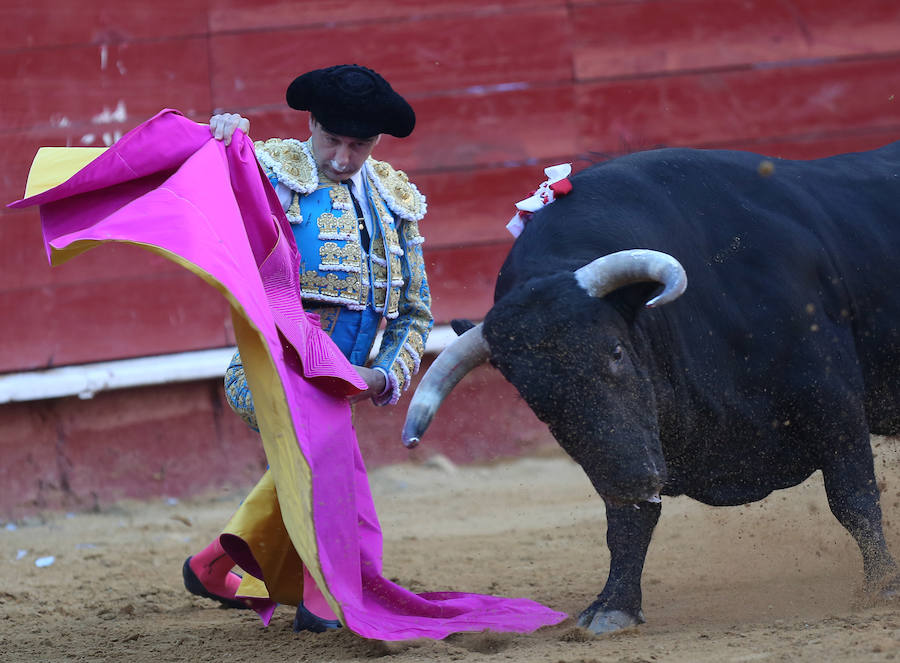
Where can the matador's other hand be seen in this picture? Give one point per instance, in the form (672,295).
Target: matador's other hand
(224,125)
(375,381)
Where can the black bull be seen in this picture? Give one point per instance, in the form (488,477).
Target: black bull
(780,358)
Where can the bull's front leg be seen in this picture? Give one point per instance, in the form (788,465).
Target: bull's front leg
(854,499)
(628,533)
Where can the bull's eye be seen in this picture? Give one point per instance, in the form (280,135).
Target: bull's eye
(618,353)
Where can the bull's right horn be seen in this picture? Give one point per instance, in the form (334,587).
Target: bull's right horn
(610,272)
(457,359)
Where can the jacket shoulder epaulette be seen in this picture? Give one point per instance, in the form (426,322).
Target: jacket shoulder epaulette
(290,162)
(401,195)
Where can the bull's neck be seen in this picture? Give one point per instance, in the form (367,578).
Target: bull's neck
(656,334)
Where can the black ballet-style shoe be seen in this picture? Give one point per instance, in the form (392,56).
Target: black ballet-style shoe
(304,620)
(194,586)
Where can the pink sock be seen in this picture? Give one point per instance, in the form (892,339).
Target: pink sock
(212,566)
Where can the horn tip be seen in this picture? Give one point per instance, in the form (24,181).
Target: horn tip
(411,442)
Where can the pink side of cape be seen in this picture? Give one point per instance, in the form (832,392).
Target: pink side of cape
(168,184)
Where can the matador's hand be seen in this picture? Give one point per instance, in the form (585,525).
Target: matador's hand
(375,381)
(224,125)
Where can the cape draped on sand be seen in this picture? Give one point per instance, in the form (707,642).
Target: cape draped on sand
(172,189)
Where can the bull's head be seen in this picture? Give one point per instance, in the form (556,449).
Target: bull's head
(568,343)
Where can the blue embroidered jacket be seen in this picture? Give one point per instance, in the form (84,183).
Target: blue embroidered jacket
(353,289)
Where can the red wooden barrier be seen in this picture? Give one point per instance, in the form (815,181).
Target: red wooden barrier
(501,88)
(431,56)
(630,39)
(711,108)
(179,440)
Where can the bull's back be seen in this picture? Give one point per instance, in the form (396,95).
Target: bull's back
(741,231)
(689,200)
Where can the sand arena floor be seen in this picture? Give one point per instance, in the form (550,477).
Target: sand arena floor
(777,580)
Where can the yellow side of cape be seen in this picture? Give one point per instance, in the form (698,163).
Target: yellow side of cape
(54,165)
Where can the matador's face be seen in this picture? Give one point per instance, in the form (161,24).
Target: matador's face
(338,157)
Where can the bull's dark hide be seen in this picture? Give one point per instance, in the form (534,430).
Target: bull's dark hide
(780,358)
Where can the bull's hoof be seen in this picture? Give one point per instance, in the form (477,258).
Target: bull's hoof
(885,591)
(600,622)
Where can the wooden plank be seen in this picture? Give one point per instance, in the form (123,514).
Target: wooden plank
(29,472)
(96,86)
(25,263)
(432,55)
(712,108)
(20,147)
(839,28)
(462,279)
(473,206)
(50,23)
(237,15)
(499,128)
(637,38)
(83,454)
(135,443)
(178,312)
(640,38)
(77,323)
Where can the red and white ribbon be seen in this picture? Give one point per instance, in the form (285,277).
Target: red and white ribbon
(557,184)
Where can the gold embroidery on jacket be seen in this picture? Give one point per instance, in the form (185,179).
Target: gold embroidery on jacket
(330,287)
(411,234)
(415,341)
(336,227)
(293,211)
(328,317)
(379,276)
(403,196)
(380,207)
(363,295)
(396,271)
(379,271)
(334,257)
(393,240)
(290,163)
(409,361)
(399,377)
(390,238)
(394,302)
(340,198)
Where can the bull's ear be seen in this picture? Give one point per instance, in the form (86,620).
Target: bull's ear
(461,325)
(631,299)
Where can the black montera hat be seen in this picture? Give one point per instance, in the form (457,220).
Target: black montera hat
(350,100)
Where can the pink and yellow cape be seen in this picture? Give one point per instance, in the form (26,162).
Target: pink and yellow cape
(172,189)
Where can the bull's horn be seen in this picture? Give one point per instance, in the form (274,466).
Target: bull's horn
(603,275)
(457,359)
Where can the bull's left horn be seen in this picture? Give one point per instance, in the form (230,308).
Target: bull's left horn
(457,359)
(608,273)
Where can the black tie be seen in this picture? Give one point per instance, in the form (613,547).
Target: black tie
(360,219)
